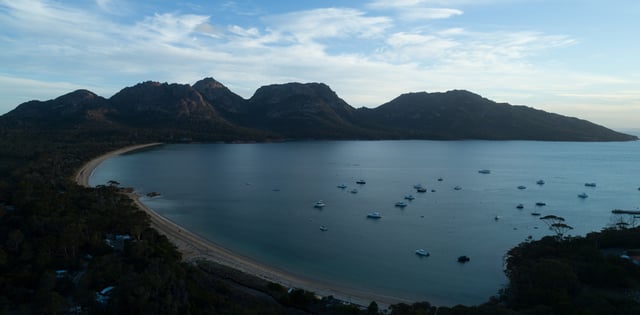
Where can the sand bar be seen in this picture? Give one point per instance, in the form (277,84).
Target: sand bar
(194,247)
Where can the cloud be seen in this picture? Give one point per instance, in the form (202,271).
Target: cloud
(168,27)
(329,23)
(415,9)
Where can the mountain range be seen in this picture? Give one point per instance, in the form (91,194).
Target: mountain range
(210,111)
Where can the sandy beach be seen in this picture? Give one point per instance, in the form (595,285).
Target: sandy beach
(194,247)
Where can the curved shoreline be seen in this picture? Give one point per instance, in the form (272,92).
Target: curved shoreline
(193,248)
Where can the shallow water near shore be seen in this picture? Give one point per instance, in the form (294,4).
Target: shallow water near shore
(258,200)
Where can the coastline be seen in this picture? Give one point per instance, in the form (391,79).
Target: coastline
(194,248)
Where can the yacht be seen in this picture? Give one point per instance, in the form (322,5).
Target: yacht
(484,171)
(583,195)
(319,204)
(400,204)
(422,252)
(374,215)
(409,197)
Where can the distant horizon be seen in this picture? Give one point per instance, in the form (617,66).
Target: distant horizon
(576,60)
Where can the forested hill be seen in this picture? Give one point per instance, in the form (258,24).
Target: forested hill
(209,111)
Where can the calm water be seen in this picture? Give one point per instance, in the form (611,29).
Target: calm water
(257,199)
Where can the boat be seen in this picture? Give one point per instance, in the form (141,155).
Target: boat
(319,204)
(522,187)
(540,204)
(484,171)
(620,211)
(535,214)
(361,182)
(540,182)
(422,252)
(440,179)
(496,218)
(342,186)
(583,195)
(457,188)
(520,206)
(421,190)
(400,204)
(463,259)
(590,184)
(323,228)
(354,191)
(374,215)
(409,197)
(417,186)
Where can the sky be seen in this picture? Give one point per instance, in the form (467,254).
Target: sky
(573,57)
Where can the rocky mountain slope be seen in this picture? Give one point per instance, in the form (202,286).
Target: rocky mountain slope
(208,110)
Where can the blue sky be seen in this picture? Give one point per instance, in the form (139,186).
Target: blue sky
(573,57)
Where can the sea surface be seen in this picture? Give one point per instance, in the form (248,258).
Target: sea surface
(258,200)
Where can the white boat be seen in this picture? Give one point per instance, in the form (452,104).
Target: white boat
(342,186)
(374,215)
(484,171)
(583,195)
(323,228)
(409,197)
(400,204)
(540,182)
(422,252)
(319,204)
(590,184)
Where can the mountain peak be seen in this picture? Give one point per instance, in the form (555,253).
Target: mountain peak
(157,103)
(220,97)
(210,83)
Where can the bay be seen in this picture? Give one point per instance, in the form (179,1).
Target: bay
(258,200)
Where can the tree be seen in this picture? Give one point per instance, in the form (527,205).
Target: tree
(560,228)
(556,224)
(373,308)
